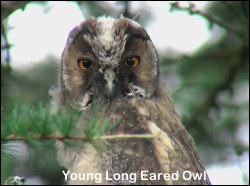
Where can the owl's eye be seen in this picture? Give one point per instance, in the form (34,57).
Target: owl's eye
(84,63)
(132,61)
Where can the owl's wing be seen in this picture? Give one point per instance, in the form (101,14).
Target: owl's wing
(174,158)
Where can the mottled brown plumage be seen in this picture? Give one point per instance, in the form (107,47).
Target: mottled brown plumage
(132,95)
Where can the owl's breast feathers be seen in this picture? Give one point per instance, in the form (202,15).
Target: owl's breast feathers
(171,150)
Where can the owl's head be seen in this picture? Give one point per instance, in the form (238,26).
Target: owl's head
(108,59)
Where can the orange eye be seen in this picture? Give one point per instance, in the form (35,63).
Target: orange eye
(84,63)
(132,61)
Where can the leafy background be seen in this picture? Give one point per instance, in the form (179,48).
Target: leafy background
(210,87)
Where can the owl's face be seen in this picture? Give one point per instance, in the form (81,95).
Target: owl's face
(108,59)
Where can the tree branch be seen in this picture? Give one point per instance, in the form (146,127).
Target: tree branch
(8,7)
(212,20)
(6,46)
(84,139)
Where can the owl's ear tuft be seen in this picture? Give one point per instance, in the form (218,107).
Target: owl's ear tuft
(132,28)
(86,27)
(137,32)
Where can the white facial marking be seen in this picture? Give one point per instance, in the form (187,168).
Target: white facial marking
(107,31)
(110,86)
(109,76)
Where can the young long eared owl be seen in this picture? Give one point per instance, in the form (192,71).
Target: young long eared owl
(114,62)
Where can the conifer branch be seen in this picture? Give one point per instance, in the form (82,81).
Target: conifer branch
(105,137)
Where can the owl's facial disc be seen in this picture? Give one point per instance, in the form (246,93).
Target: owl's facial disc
(113,59)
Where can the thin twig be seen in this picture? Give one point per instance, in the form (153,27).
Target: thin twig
(6,46)
(107,137)
(191,9)
(126,136)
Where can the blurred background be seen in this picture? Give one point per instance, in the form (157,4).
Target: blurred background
(204,51)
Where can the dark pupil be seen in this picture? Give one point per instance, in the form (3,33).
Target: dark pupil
(130,62)
(86,63)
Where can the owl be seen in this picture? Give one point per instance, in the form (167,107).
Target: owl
(114,63)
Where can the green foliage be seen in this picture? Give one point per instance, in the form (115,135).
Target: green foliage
(35,121)
(98,124)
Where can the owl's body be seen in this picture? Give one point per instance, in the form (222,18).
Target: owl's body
(115,63)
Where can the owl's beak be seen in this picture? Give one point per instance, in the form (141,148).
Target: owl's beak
(110,76)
